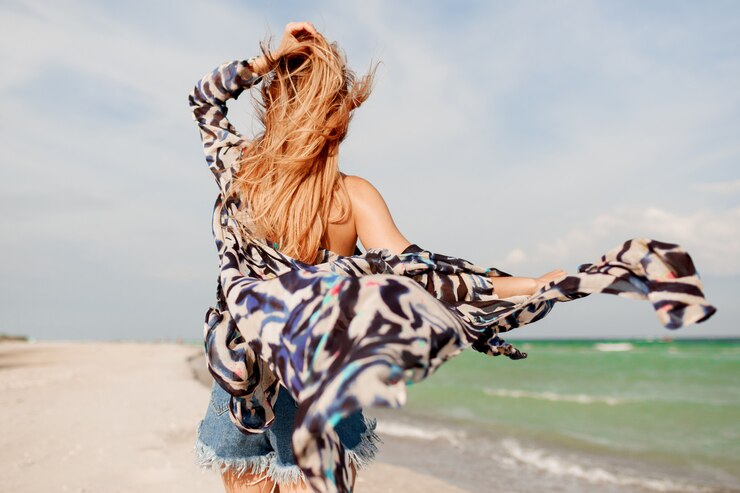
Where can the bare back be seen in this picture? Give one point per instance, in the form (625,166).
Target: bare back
(369,220)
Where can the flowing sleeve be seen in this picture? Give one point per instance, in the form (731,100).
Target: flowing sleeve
(463,287)
(222,143)
(450,279)
(232,362)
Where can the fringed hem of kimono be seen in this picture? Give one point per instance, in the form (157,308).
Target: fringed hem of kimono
(350,332)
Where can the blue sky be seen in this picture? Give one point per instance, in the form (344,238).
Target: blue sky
(521,135)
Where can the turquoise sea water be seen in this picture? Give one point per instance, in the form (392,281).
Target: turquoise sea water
(670,409)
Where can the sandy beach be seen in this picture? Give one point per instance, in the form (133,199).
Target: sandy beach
(120,417)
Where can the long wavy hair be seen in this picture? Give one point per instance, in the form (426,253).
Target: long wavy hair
(288,179)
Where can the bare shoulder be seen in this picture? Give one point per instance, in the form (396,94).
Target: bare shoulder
(359,187)
(373,220)
(367,201)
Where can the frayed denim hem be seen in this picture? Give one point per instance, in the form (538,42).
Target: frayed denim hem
(207,458)
(365,451)
(361,456)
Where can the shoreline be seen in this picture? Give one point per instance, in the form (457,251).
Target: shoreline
(121,416)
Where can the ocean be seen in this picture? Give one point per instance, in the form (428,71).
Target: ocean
(577,416)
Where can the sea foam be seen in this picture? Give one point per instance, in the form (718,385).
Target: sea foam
(610,347)
(560,466)
(403,430)
(552,396)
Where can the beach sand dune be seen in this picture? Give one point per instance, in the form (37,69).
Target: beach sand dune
(119,417)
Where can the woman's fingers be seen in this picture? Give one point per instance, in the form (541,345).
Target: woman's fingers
(309,27)
(553,275)
(289,36)
(560,274)
(293,28)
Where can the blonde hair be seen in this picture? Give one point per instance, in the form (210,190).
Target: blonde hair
(288,176)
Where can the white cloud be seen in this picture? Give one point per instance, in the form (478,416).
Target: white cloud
(712,237)
(515,257)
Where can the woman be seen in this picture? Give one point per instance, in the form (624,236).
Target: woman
(300,200)
(305,333)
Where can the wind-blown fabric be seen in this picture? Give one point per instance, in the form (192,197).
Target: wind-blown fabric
(351,332)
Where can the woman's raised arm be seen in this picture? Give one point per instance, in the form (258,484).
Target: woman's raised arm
(221,141)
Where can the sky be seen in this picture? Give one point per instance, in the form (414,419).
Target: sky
(522,135)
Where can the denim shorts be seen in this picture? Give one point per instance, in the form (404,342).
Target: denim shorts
(220,445)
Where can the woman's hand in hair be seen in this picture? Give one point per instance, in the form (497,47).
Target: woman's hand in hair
(292,30)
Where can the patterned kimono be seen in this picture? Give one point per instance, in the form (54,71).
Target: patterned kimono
(351,332)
